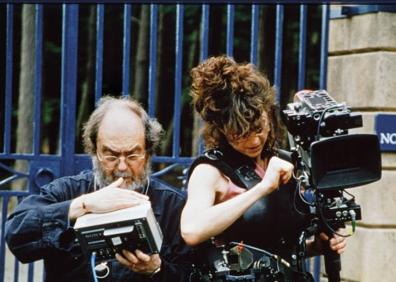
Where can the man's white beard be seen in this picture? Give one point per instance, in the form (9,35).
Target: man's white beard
(103,180)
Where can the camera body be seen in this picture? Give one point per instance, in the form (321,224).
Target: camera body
(327,158)
(316,113)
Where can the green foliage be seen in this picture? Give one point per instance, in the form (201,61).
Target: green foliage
(52,47)
(49,108)
(112,55)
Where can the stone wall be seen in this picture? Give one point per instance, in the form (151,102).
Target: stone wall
(362,72)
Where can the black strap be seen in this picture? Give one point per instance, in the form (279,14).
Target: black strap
(215,157)
(239,168)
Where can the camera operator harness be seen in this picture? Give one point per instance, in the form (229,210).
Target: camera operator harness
(262,245)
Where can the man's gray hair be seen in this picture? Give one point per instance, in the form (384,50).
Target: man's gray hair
(153,130)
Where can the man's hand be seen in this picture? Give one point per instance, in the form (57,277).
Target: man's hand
(107,199)
(140,262)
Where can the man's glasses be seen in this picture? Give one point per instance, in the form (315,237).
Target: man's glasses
(111,161)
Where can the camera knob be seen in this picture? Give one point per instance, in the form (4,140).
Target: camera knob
(102,270)
(338,214)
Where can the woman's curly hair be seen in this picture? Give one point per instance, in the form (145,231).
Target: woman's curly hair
(231,99)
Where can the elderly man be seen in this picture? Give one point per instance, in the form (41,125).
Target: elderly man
(121,138)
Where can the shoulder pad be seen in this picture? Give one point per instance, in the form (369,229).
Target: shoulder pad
(213,157)
(240,174)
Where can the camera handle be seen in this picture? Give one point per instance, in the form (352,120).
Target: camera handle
(332,262)
(332,259)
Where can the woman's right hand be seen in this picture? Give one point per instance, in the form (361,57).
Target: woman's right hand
(278,172)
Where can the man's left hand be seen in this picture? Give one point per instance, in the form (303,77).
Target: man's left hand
(140,262)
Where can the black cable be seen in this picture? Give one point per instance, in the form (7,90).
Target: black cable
(303,198)
(295,203)
(324,220)
(353,197)
(299,186)
(321,117)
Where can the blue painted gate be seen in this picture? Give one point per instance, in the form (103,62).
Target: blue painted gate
(45,167)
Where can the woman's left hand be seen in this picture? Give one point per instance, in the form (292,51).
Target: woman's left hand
(336,243)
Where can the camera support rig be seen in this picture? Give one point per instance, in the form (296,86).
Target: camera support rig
(328,160)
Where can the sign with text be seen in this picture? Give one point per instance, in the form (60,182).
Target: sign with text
(385,127)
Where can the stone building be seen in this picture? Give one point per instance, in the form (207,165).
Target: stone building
(362,72)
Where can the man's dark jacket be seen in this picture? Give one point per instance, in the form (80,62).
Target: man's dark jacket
(39,229)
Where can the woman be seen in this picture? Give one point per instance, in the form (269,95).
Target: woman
(236,103)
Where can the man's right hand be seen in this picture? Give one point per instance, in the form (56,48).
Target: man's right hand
(109,198)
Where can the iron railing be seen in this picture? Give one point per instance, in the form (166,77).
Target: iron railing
(44,167)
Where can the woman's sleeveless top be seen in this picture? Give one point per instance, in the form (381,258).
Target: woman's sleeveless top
(272,223)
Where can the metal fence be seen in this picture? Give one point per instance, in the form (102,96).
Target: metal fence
(45,167)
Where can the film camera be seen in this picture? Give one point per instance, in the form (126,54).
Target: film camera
(332,158)
(328,160)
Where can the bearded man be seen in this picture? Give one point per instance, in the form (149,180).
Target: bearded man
(120,138)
